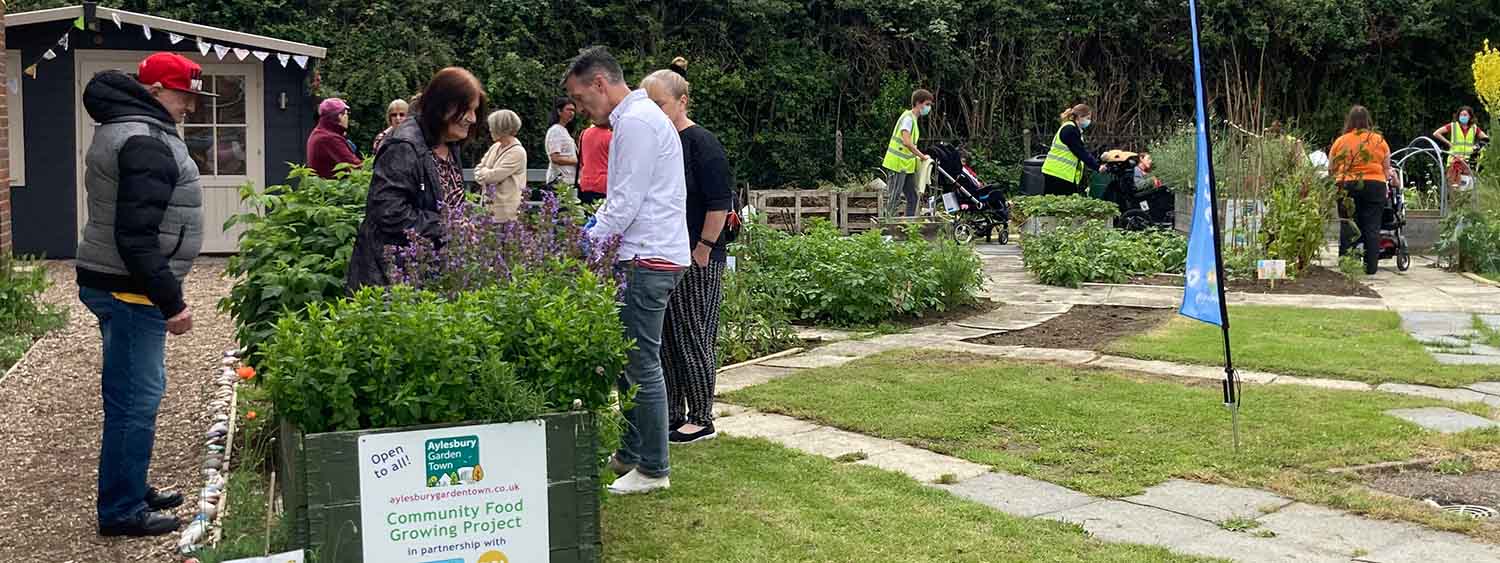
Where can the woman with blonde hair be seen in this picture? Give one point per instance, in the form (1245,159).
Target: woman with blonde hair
(690,332)
(503,166)
(1063,170)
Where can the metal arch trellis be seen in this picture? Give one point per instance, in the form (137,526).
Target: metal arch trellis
(1425,147)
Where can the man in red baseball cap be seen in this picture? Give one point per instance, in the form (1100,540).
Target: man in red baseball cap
(145,228)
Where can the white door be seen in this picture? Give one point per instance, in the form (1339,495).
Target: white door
(225,137)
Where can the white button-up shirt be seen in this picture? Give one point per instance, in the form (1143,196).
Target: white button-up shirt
(647,203)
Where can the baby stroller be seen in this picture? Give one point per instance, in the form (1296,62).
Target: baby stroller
(976,208)
(1140,209)
(1392,222)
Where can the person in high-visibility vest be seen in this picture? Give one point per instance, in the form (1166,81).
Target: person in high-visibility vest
(1460,135)
(902,155)
(1063,169)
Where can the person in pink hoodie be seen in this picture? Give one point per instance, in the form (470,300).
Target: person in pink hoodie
(327,146)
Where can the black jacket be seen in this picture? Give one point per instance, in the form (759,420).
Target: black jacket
(404,194)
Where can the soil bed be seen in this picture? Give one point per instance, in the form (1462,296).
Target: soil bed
(1479,487)
(1084,327)
(1316,280)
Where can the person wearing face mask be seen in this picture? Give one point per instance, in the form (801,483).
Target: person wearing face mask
(902,154)
(418,167)
(1461,135)
(327,147)
(1063,170)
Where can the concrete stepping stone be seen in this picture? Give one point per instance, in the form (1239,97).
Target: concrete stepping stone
(818,334)
(862,348)
(762,425)
(740,378)
(978,349)
(1486,387)
(1442,419)
(1019,496)
(952,331)
(1245,546)
(1334,384)
(1215,503)
(1426,546)
(833,443)
(1316,527)
(1054,355)
(1439,393)
(923,465)
(1119,521)
(809,361)
(1450,359)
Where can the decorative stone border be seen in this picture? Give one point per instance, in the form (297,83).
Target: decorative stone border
(213,498)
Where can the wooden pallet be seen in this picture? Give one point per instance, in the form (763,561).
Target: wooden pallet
(793,210)
(860,211)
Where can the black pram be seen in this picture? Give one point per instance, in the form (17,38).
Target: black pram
(976,208)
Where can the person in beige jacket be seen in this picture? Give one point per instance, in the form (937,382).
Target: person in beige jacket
(504,166)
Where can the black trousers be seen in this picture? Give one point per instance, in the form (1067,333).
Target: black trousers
(1369,204)
(589,197)
(1057,186)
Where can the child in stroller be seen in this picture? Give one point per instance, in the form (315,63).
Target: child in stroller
(976,208)
(1143,204)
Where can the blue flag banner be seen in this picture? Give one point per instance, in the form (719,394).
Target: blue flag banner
(1201,294)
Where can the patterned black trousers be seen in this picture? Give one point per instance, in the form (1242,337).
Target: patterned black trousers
(690,344)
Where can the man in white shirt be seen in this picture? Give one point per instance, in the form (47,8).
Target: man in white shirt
(647,208)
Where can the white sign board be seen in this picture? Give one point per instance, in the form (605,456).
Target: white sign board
(467,494)
(288,557)
(1271,269)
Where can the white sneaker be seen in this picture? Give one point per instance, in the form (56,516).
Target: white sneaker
(636,483)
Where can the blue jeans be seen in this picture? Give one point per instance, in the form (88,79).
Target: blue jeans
(643,309)
(135,376)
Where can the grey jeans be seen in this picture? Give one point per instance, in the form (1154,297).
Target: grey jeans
(643,309)
(901,184)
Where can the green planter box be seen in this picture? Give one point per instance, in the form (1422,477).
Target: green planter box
(319,481)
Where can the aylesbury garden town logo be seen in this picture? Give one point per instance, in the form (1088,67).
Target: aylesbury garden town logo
(453,461)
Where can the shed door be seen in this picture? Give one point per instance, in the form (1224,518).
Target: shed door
(225,136)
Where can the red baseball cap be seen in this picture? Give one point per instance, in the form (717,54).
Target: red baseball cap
(174,72)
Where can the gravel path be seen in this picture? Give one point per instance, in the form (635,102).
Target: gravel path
(51,414)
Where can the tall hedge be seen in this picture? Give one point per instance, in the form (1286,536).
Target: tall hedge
(778,80)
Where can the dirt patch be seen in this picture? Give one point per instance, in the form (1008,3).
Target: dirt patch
(52,415)
(959,313)
(1316,280)
(1084,327)
(1479,487)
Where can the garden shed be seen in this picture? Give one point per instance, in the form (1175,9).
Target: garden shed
(257,125)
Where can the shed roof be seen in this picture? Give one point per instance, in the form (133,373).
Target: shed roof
(175,26)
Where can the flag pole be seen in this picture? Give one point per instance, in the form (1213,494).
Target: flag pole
(1231,381)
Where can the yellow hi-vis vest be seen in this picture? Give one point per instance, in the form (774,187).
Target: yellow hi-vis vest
(897,157)
(1061,163)
(1463,144)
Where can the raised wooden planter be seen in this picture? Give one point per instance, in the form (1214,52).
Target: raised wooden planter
(1038,225)
(319,481)
(791,210)
(860,211)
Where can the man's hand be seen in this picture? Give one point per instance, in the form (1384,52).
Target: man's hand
(700,255)
(181,323)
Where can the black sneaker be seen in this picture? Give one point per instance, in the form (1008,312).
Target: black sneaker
(157,500)
(704,433)
(145,523)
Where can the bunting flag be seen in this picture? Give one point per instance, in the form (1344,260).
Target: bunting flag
(241,53)
(146,29)
(49,55)
(115,16)
(221,50)
(260,55)
(301,60)
(174,38)
(204,47)
(63,42)
(283,57)
(31,70)
(78,23)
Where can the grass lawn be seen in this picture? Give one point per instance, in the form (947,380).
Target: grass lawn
(1114,435)
(735,500)
(1365,346)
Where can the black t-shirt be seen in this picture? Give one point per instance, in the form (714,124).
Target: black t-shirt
(708,182)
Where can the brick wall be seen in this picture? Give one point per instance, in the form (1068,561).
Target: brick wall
(5,229)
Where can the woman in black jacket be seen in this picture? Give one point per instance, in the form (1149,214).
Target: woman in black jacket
(417,166)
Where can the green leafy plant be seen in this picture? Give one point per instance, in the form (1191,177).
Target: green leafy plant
(749,327)
(1352,265)
(1298,207)
(1095,252)
(24,316)
(1470,240)
(1064,207)
(294,250)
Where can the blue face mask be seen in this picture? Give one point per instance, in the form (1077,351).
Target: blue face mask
(1085,123)
(926,110)
(1463,119)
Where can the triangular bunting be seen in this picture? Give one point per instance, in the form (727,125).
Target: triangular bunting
(260,55)
(204,47)
(221,50)
(241,53)
(116,17)
(78,23)
(31,71)
(174,38)
(146,29)
(63,42)
(283,57)
(49,55)
(301,60)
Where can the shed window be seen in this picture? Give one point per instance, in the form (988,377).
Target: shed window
(216,132)
(15,115)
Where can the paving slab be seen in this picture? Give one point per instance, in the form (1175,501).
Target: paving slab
(1427,546)
(952,331)
(1335,384)
(809,361)
(1439,393)
(1215,503)
(862,348)
(1466,359)
(726,409)
(832,442)
(978,349)
(742,377)
(1118,521)
(1243,546)
(1443,419)
(1019,496)
(762,425)
(923,465)
(1054,355)
(820,334)
(1322,528)
(1486,387)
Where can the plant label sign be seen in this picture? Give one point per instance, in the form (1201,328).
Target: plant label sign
(465,494)
(1271,269)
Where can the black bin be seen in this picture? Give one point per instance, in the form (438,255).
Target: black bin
(1031,176)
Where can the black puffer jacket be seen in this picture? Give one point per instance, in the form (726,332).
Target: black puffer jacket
(404,194)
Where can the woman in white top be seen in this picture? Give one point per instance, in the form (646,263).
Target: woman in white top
(504,166)
(562,152)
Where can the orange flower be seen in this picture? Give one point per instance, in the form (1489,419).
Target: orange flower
(245,372)
(250,415)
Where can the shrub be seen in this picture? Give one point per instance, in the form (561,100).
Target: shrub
(1470,240)
(823,276)
(1064,207)
(1094,252)
(748,327)
(294,252)
(23,315)
(1299,205)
